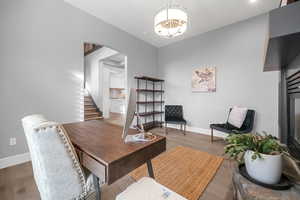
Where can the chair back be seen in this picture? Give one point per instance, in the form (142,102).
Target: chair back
(249,120)
(56,168)
(173,112)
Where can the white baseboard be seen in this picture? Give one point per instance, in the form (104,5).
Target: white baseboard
(200,130)
(14,160)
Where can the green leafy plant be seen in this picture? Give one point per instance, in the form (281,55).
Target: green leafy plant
(238,144)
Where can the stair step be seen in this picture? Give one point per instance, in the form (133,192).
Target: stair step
(91,113)
(88,104)
(90,109)
(93,118)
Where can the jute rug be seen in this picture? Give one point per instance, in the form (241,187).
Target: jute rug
(183,170)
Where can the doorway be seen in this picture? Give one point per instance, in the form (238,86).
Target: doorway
(105,81)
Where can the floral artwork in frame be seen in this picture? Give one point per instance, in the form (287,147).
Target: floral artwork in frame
(204,79)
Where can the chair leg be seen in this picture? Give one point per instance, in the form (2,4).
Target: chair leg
(184,128)
(166,129)
(212,136)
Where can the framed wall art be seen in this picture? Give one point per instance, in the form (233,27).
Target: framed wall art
(204,79)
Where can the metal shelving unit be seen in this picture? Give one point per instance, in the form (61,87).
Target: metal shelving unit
(150,109)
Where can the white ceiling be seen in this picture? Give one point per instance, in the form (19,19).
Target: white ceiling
(136,16)
(117,60)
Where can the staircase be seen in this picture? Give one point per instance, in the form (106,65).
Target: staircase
(91,111)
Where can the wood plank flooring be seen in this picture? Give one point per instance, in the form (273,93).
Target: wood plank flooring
(17,183)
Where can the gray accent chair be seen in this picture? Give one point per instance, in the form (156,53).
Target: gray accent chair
(57,171)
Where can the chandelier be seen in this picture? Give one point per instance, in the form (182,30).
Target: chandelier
(171,21)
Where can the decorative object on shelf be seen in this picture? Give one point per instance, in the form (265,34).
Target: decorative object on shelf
(204,79)
(149,102)
(171,21)
(262,155)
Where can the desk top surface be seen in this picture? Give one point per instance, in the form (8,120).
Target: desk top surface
(103,141)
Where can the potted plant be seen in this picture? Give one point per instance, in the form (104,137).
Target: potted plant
(262,155)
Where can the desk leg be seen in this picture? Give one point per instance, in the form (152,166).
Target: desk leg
(97,187)
(150,169)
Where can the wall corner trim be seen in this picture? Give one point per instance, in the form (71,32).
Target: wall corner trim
(14,160)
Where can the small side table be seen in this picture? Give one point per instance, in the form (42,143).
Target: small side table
(246,190)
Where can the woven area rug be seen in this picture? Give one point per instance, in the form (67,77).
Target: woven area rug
(184,170)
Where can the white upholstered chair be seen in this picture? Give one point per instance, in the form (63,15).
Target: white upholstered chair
(148,189)
(56,168)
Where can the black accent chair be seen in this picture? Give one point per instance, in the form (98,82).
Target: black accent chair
(174,115)
(228,128)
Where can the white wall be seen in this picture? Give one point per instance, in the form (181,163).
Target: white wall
(117,80)
(112,78)
(237,51)
(105,90)
(41,62)
(117,106)
(94,73)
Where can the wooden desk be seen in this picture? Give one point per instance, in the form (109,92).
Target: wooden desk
(101,149)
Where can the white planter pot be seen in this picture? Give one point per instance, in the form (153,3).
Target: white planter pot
(267,169)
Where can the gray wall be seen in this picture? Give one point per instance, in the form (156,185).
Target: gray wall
(238,52)
(285,20)
(41,59)
(41,62)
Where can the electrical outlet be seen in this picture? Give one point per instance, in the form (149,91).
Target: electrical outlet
(12,141)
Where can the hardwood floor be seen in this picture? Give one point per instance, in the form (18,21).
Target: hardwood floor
(17,183)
